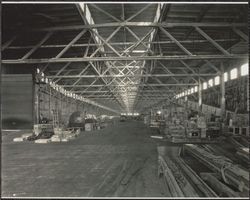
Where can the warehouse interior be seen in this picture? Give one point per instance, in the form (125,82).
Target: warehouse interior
(124,100)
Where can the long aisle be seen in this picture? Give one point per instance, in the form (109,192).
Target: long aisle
(120,160)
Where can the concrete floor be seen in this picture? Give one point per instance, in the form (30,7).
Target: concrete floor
(120,160)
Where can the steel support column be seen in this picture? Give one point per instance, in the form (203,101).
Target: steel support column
(222,91)
(200,95)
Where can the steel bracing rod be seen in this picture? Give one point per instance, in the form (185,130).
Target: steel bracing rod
(117,43)
(199,30)
(47,36)
(122,67)
(44,67)
(106,41)
(57,80)
(120,79)
(87,19)
(123,12)
(137,13)
(93,94)
(116,90)
(158,103)
(132,96)
(109,38)
(241,34)
(175,40)
(62,69)
(135,75)
(139,84)
(6,44)
(132,58)
(160,11)
(99,73)
(107,84)
(140,41)
(82,8)
(87,49)
(89,85)
(104,12)
(142,24)
(78,36)
(212,65)
(168,71)
(199,18)
(81,73)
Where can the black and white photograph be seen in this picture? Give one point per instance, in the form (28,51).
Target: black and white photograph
(124,99)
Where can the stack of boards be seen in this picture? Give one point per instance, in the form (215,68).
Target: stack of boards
(60,136)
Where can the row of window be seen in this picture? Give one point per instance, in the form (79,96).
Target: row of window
(130,114)
(243,71)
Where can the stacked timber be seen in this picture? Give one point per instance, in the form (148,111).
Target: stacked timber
(230,173)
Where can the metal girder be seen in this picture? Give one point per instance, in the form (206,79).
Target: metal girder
(79,35)
(105,41)
(103,11)
(137,13)
(62,69)
(143,24)
(199,30)
(135,75)
(115,43)
(82,72)
(107,91)
(176,41)
(87,18)
(200,17)
(47,36)
(241,34)
(129,85)
(6,44)
(132,58)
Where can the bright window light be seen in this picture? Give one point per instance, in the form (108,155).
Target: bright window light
(192,90)
(233,73)
(182,94)
(204,85)
(225,77)
(244,69)
(210,83)
(217,80)
(195,88)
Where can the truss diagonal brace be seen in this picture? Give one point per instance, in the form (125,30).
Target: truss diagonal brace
(176,41)
(37,46)
(71,43)
(225,52)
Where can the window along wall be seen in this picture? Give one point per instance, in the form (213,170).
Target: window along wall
(231,75)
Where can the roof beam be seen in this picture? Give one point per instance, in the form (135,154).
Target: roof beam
(130,85)
(133,75)
(142,24)
(241,34)
(79,35)
(6,44)
(104,12)
(225,52)
(132,58)
(47,36)
(176,41)
(118,44)
(137,13)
